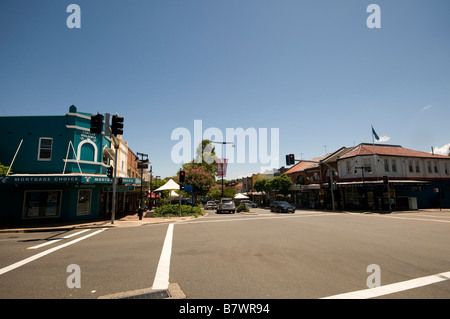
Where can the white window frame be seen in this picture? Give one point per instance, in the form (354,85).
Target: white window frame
(39,149)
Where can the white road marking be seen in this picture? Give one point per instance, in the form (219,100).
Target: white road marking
(256,218)
(415,218)
(393,288)
(162,272)
(46,252)
(52,241)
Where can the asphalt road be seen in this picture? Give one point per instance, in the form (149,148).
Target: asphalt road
(259,255)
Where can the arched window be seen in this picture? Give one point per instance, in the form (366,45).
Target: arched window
(87,151)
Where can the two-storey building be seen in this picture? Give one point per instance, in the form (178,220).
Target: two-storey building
(415,179)
(58,168)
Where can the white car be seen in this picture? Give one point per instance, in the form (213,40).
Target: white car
(211,205)
(226,205)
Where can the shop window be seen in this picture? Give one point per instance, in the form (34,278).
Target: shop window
(45,149)
(39,204)
(84,202)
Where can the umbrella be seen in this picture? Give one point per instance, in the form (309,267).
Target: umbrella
(168,186)
(173,194)
(240,196)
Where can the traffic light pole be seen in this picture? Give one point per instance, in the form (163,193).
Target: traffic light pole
(116,146)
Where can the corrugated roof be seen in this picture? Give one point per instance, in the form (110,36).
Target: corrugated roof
(389,150)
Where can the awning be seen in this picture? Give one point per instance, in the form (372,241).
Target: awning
(168,186)
(380,183)
(109,153)
(298,187)
(62,178)
(240,196)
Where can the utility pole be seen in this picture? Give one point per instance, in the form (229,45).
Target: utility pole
(141,164)
(223,158)
(363,168)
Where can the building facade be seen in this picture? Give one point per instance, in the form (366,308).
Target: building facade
(379,176)
(58,168)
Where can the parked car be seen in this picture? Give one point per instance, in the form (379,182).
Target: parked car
(226,205)
(273,205)
(249,203)
(284,207)
(210,205)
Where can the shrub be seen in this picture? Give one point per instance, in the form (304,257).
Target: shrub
(173,210)
(242,208)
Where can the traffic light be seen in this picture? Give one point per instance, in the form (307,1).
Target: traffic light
(117,125)
(182,177)
(96,124)
(290,159)
(120,181)
(110,172)
(385,180)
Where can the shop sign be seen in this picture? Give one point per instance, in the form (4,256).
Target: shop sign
(39,179)
(43,179)
(119,188)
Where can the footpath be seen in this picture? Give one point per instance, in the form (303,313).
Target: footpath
(126,221)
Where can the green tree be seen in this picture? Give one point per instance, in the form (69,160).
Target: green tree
(200,179)
(282,183)
(205,156)
(263,185)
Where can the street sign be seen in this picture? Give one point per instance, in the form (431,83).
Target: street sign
(188,188)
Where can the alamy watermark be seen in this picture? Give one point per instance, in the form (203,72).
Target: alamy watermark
(374,279)
(74,279)
(243,146)
(373,20)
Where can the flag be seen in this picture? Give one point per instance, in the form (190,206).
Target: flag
(375,134)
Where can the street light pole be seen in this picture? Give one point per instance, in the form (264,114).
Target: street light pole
(223,159)
(366,200)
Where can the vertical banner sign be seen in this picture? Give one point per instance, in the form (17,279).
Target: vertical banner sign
(222,166)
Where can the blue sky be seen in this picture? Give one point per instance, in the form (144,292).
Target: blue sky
(312,69)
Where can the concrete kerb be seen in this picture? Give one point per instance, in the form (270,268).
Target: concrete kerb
(127,221)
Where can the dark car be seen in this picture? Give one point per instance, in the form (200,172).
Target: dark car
(284,207)
(273,205)
(249,203)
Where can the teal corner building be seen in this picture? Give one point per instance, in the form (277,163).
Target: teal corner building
(58,169)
